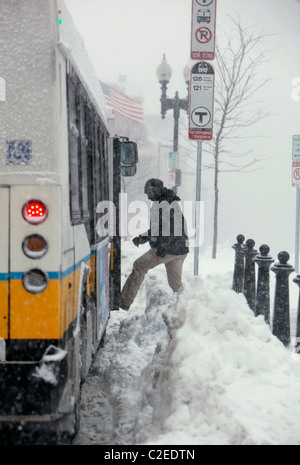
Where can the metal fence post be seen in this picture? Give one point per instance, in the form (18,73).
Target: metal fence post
(249,279)
(281,318)
(264,262)
(239,269)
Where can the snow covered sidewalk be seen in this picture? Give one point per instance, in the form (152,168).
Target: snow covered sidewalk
(205,372)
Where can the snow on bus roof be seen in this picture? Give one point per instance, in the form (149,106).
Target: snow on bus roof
(72,45)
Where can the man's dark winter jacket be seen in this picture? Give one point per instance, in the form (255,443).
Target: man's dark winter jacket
(167,225)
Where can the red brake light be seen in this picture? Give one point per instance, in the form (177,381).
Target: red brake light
(35,211)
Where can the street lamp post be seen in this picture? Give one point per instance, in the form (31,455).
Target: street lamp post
(164,72)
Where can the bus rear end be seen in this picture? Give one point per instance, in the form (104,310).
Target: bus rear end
(36,290)
(33,368)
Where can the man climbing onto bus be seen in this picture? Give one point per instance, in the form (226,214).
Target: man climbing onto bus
(167,239)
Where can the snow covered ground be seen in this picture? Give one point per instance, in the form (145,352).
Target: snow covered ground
(199,371)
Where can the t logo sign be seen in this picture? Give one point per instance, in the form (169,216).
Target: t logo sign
(201,101)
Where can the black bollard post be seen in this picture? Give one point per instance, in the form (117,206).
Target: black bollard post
(297,342)
(281,317)
(239,269)
(249,277)
(264,262)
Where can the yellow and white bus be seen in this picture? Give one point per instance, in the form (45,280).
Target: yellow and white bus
(58,282)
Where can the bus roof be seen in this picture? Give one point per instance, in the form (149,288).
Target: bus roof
(72,45)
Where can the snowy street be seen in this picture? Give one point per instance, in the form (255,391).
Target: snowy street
(203,371)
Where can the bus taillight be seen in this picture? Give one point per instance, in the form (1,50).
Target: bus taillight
(35,211)
(35,246)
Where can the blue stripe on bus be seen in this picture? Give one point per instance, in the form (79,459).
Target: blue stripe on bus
(73,268)
(51,274)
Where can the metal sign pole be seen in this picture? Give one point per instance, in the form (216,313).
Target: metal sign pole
(197,207)
(201,92)
(296,183)
(297,229)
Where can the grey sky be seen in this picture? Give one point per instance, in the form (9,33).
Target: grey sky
(130,36)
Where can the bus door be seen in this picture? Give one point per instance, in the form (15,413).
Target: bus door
(4,262)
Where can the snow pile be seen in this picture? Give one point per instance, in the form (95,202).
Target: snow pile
(47,373)
(199,370)
(227,379)
(48,370)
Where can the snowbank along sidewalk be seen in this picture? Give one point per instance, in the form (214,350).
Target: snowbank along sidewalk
(200,370)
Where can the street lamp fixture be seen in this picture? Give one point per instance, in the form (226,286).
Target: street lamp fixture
(164,71)
(186,74)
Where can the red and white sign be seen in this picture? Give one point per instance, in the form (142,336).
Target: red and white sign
(203,29)
(203,35)
(201,101)
(172,177)
(296,173)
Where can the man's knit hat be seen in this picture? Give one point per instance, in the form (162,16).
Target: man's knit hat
(153,184)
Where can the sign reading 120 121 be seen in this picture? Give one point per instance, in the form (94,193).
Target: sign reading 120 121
(201,101)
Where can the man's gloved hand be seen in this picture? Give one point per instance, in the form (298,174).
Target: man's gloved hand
(137,240)
(160,252)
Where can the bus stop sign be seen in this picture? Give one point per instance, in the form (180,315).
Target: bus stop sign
(203,29)
(201,101)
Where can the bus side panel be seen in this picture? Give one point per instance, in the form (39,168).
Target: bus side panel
(102,288)
(82,265)
(66,316)
(4,241)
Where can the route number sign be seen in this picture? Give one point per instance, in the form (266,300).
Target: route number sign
(173,160)
(201,101)
(203,29)
(296,148)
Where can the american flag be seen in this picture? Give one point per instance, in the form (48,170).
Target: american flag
(122,104)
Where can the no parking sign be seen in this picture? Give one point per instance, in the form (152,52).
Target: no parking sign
(296,173)
(203,29)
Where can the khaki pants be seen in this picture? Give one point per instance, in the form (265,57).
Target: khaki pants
(143,264)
